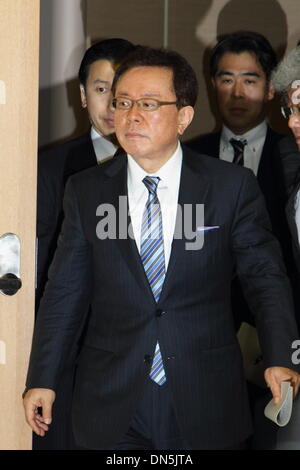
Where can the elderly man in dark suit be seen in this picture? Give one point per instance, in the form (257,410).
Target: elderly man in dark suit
(151,239)
(286,81)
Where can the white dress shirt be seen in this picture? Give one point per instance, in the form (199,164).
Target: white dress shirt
(104,149)
(167,193)
(252,151)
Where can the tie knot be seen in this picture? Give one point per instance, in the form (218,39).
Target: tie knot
(238,144)
(151,183)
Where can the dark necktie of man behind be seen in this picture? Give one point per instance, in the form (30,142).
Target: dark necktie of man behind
(238,147)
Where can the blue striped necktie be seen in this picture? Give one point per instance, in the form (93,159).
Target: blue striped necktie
(153,259)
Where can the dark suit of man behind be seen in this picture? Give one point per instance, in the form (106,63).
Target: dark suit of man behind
(240,67)
(192,321)
(285,80)
(271,181)
(54,167)
(290,156)
(269,174)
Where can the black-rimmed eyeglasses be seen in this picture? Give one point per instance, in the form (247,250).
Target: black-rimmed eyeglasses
(143,104)
(288,111)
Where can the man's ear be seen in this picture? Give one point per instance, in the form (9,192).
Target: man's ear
(185,117)
(270,92)
(83,96)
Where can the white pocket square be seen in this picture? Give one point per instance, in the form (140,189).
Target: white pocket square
(203,228)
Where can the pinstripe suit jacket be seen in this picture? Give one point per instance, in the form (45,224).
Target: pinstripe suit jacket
(290,160)
(192,321)
(271,181)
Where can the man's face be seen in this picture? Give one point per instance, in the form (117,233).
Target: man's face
(96,96)
(294,119)
(242,91)
(150,136)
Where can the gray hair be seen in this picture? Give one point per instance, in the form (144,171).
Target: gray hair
(287,71)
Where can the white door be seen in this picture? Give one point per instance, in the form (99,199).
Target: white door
(19,49)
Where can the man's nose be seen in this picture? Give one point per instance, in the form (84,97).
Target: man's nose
(237,89)
(294,121)
(109,97)
(134,114)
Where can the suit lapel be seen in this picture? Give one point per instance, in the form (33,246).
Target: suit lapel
(192,191)
(290,212)
(212,146)
(265,164)
(194,185)
(81,157)
(269,168)
(116,186)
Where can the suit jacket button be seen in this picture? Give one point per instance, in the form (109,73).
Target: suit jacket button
(160,312)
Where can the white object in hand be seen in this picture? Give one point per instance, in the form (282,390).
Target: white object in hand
(281,413)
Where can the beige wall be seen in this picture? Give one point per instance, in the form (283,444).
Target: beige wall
(191,27)
(62,45)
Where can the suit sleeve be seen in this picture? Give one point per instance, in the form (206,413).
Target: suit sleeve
(49,213)
(263,277)
(65,302)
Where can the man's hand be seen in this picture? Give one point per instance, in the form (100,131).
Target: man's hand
(275,375)
(34,399)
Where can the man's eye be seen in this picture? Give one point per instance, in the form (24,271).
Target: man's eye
(250,82)
(148,104)
(101,90)
(124,103)
(226,80)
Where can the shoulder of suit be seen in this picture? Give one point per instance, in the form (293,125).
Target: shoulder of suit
(57,153)
(288,145)
(214,167)
(65,146)
(201,143)
(274,136)
(96,173)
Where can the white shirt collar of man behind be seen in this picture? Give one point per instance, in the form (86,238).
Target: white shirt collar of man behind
(252,151)
(104,149)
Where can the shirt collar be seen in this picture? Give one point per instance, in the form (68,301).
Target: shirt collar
(104,149)
(166,173)
(252,136)
(95,134)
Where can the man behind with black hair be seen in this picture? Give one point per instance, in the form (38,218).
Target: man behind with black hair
(96,74)
(240,67)
(286,82)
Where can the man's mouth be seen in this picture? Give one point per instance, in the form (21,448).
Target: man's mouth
(237,110)
(133,135)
